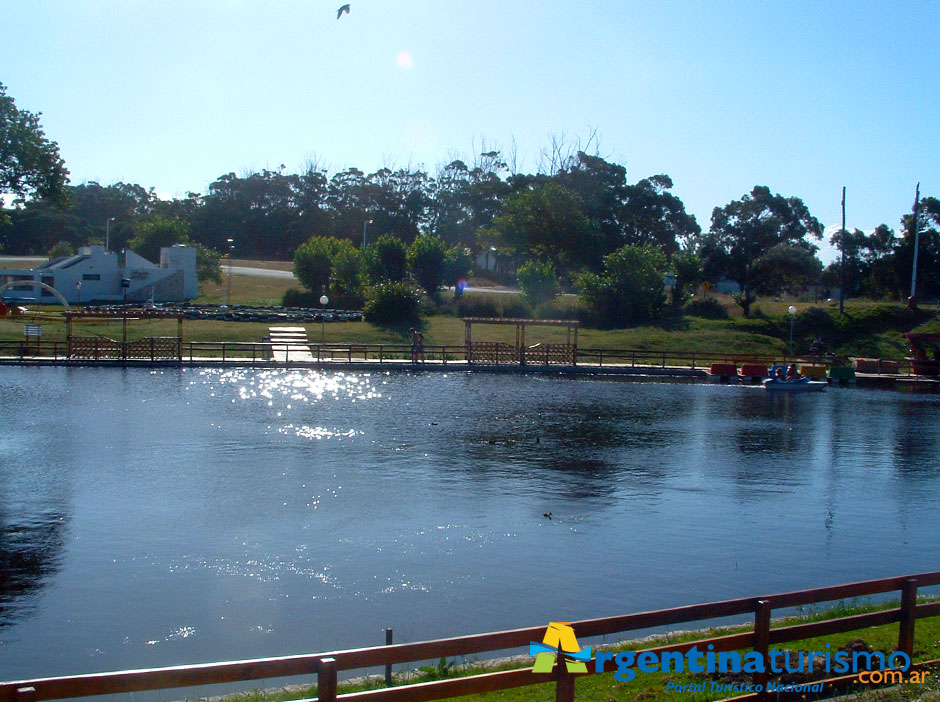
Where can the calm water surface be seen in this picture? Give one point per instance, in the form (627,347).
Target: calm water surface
(164,517)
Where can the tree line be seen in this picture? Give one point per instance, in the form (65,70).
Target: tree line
(578,224)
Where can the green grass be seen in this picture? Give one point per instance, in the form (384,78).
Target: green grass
(867,329)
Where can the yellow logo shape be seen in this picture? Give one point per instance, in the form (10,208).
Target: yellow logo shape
(559,637)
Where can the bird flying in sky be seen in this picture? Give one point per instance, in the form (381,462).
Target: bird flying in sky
(343,10)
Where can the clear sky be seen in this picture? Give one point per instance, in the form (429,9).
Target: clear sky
(803,97)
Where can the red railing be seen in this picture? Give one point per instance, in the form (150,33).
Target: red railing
(327,666)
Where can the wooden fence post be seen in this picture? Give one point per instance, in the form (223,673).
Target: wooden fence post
(762,644)
(388,666)
(564,681)
(326,680)
(908,616)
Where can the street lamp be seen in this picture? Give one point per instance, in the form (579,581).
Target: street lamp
(228,280)
(107,234)
(324,300)
(367,222)
(792,310)
(125,284)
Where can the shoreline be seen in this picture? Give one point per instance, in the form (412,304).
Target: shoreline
(924,384)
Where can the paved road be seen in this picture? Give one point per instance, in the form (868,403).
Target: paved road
(269,273)
(259,272)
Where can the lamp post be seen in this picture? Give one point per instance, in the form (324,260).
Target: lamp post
(228,280)
(364,224)
(792,310)
(78,291)
(324,300)
(107,234)
(125,284)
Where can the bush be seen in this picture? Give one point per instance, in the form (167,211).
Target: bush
(313,263)
(426,258)
(477,305)
(392,303)
(630,290)
(387,259)
(707,308)
(538,281)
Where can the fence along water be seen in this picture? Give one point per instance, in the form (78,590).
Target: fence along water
(327,666)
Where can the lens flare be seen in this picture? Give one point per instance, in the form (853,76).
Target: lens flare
(403,60)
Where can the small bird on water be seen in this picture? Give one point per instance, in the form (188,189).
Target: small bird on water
(343,10)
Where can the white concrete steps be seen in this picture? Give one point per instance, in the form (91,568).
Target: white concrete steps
(289,344)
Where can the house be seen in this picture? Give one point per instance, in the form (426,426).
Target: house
(95,274)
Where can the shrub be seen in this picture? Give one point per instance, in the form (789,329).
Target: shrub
(387,259)
(426,259)
(313,263)
(708,308)
(392,303)
(630,289)
(477,305)
(538,281)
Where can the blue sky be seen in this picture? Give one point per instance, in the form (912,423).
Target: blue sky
(803,97)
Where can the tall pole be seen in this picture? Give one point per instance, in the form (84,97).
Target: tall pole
(913,300)
(107,234)
(842,264)
(364,224)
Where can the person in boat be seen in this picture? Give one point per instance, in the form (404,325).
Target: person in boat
(793,373)
(779,374)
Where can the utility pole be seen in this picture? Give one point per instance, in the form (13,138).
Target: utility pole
(912,302)
(842,265)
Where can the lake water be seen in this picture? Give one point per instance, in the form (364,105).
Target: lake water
(164,517)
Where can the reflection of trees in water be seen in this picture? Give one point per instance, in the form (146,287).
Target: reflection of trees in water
(578,444)
(916,445)
(31,548)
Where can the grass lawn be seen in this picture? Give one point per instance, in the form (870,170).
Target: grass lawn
(869,329)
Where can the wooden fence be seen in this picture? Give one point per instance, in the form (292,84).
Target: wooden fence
(157,349)
(327,666)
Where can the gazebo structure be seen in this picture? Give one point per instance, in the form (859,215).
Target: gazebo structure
(500,352)
(99,347)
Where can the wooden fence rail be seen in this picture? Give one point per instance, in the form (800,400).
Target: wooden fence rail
(328,666)
(559,355)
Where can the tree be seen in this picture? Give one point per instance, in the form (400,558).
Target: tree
(458,264)
(652,215)
(426,257)
(630,289)
(387,259)
(747,228)
(538,281)
(156,233)
(687,270)
(30,164)
(61,250)
(313,263)
(159,232)
(545,222)
(348,267)
(928,255)
(786,268)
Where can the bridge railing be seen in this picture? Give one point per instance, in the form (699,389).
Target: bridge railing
(328,666)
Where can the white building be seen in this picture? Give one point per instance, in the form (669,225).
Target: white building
(95,274)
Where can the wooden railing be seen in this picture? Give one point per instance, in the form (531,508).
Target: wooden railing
(158,349)
(327,666)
